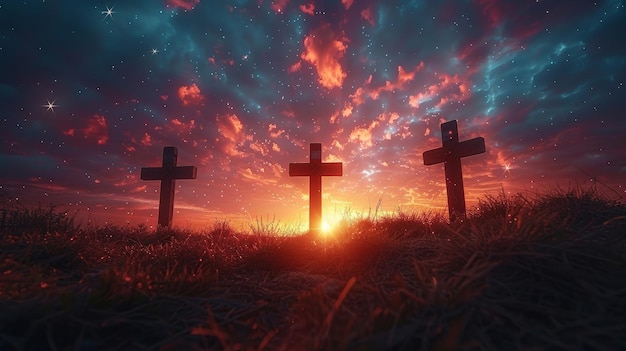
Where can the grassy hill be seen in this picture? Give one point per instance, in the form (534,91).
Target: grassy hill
(519,273)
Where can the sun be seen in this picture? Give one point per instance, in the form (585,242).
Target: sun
(326,227)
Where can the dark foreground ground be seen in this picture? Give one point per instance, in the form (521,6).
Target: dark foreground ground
(519,274)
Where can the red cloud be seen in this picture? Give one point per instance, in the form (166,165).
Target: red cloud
(403,78)
(295,67)
(364,135)
(323,50)
(182,127)
(308,8)
(146,140)
(190,95)
(367,15)
(97,129)
(274,131)
(347,3)
(185,4)
(279,5)
(231,129)
(448,88)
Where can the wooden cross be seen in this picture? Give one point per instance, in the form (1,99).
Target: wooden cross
(315,170)
(450,154)
(168,174)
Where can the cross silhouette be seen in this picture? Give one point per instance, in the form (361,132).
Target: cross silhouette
(168,174)
(450,154)
(315,170)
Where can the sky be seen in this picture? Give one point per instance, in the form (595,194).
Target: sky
(91,92)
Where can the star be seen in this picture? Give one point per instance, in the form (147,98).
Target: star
(155,51)
(50,106)
(108,12)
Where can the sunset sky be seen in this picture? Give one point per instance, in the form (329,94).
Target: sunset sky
(91,91)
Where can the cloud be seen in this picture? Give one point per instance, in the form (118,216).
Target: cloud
(347,110)
(185,4)
(366,14)
(182,127)
(449,88)
(146,140)
(261,174)
(308,8)
(259,147)
(404,77)
(279,5)
(295,67)
(274,131)
(190,95)
(363,135)
(394,116)
(231,129)
(323,50)
(347,3)
(96,129)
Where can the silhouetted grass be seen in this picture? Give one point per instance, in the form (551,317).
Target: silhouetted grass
(518,273)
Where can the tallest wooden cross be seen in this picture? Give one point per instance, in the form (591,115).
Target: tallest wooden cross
(315,170)
(168,174)
(450,154)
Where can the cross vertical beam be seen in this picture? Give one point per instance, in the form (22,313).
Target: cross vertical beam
(167,174)
(315,169)
(450,154)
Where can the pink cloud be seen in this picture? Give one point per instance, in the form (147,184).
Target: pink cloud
(279,5)
(274,131)
(182,127)
(97,129)
(393,117)
(347,110)
(403,78)
(260,147)
(233,136)
(367,15)
(358,97)
(185,4)
(449,88)
(146,140)
(364,135)
(190,95)
(323,49)
(308,8)
(295,67)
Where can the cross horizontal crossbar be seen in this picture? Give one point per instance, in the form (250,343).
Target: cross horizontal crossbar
(463,149)
(160,173)
(321,169)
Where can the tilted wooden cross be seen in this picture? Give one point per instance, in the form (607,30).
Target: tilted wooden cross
(168,174)
(450,154)
(315,170)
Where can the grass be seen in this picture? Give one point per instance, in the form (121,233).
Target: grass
(518,274)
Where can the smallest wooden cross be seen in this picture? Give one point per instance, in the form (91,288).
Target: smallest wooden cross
(168,174)
(315,169)
(450,154)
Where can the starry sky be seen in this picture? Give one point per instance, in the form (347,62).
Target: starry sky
(91,91)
